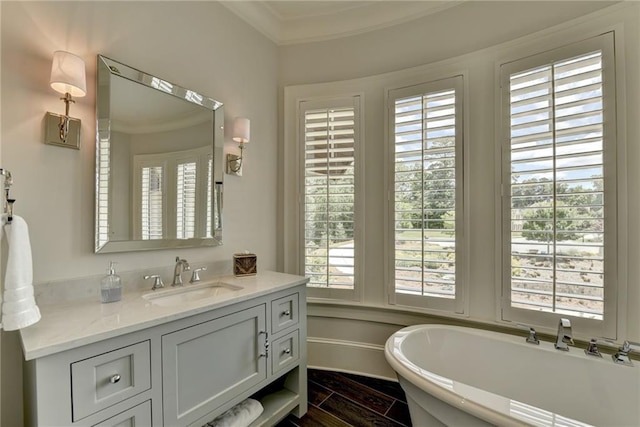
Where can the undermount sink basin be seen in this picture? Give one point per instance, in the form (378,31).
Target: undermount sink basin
(190,293)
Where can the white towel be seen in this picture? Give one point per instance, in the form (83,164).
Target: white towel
(241,415)
(19,308)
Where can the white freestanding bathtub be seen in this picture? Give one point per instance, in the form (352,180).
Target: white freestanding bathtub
(456,377)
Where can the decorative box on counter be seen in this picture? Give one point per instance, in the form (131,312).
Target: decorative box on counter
(245,264)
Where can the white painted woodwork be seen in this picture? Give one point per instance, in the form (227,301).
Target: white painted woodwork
(349,356)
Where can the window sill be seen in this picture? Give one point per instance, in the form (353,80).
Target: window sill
(405,316)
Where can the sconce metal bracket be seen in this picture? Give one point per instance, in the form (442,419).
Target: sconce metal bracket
(234,165)
(52,131)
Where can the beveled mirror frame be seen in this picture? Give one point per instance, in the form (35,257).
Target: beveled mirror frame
(107,70)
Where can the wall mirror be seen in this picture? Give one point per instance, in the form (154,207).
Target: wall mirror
(159,163)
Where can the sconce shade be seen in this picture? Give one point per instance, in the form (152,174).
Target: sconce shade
(67,74)
(241,130)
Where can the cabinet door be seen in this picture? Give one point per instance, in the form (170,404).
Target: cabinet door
(206,365)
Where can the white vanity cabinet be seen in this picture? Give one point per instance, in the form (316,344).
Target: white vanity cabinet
(183,372)
(206,365)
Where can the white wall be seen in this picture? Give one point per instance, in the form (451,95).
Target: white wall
(472,39)
(462,29)
(198,45)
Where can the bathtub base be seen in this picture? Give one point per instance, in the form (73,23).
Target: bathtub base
(426,410)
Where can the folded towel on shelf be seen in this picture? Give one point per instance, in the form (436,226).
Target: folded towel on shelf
(19,308)
(241,415)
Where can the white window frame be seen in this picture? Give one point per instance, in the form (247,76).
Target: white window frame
(303,105)
(456,305)
(611,164)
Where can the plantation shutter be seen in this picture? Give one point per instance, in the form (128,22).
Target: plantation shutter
(209,221)
(102,196)
(186,200)
(152,201)
(427,143)
(329,202)
(558,146)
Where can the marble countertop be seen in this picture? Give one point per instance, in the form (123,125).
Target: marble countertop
(67,325)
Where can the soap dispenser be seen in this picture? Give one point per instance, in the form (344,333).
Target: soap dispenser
(111,286)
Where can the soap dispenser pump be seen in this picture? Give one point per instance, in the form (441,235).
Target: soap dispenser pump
(111,285)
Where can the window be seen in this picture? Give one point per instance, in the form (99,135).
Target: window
(170,191)
(186,200)
(330,138)
(426,205)
(151,202)
(102,197)
(559,189)
(210,207)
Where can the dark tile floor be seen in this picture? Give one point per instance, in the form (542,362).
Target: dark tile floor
(342,400)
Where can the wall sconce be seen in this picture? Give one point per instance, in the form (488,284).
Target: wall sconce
(67,78)
(241,134)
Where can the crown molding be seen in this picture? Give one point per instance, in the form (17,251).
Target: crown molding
(345,22)
(257,15)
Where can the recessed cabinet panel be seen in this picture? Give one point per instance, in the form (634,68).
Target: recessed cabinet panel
(284,313)
(109,378)
(138,416)
(286,352)
(206,365)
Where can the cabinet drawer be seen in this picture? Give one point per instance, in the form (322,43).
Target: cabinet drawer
(286,352)
(109,378)
(284,313)
(137,416)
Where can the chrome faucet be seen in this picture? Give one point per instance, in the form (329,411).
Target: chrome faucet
(157,281)
(181,265)
(195,275)
(622,355)
(533,336)
(592,348)
(565,335)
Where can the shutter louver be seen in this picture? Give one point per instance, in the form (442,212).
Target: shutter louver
(557,197)
(102,192)
(152,201)
(186,200)
(209,229)
(425,194)
(329,197)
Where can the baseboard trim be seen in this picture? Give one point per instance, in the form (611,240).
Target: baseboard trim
(350,357)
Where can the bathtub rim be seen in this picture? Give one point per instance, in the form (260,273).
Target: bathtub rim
(393,350)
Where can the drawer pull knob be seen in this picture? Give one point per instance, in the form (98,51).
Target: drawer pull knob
(286,313)
(287,351)
(115,378)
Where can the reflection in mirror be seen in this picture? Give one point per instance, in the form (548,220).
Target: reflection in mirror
(158,163)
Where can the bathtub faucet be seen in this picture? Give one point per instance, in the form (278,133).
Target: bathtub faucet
(565,335)
(622,355)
